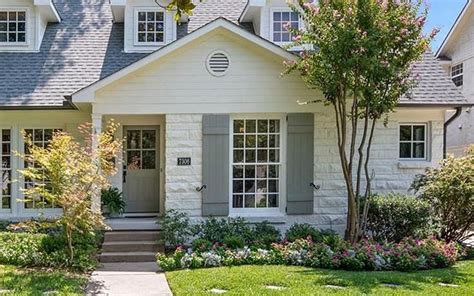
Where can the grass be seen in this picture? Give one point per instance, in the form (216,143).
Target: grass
(252,280)
(15,281)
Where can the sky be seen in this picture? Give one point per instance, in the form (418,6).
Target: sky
(442,15)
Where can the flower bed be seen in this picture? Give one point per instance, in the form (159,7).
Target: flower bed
(408,255)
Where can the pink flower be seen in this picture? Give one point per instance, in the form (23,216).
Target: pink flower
(297,38)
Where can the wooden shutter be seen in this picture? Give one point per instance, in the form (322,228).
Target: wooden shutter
(300,160)
(215,164)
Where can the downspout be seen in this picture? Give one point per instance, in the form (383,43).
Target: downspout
(446,124)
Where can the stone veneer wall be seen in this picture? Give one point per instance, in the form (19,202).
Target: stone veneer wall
(184,138)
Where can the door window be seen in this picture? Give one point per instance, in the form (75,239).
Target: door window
(141,149)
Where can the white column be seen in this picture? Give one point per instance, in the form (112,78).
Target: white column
(96,130)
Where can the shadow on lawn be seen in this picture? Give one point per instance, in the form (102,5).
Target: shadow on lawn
(365,281)
(33,282)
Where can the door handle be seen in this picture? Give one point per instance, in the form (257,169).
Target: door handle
(124,175)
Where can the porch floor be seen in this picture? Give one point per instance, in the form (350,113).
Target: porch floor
(127,223)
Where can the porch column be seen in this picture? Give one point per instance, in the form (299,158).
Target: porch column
(96,130)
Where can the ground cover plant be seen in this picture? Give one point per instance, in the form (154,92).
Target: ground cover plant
(16,281)
(298,280)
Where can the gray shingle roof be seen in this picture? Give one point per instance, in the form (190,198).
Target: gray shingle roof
(86,47)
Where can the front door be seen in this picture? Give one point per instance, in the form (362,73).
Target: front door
(141,172)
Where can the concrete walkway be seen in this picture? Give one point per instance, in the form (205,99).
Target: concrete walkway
(128,279)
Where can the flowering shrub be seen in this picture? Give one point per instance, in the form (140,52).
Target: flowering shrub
(409,254)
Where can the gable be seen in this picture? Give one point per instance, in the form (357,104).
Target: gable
(180,82)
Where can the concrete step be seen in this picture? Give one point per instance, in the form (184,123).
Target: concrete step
(107,257)
(127,236)
(132,246)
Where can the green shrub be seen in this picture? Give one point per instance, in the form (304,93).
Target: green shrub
(393,217)
(234,241)
(176,228)
(35,226)
(4,224)
(48,250)
(215,230)
(449,190)
(264,235)
(298,231)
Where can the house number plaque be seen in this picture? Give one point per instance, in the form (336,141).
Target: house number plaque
(183,161)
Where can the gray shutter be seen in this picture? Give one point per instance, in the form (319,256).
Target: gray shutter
(300,160)
(215,164)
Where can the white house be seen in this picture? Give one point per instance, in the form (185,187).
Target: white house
(456,55)
(215,128)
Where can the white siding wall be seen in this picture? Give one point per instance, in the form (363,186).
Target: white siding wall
(130,20)
(31,25)
(461,131)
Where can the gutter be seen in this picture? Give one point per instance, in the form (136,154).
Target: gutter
(445,127)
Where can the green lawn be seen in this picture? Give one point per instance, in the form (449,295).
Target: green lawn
(14,281)
(252,280)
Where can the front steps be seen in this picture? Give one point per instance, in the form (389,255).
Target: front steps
(130,246)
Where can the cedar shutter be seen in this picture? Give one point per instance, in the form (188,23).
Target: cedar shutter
(300,160)
(215,164)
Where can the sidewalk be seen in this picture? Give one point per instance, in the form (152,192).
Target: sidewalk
(128,279)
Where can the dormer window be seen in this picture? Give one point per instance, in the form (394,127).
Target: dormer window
(12,26)
(280,20)
(150,27)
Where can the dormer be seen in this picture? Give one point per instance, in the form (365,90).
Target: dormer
(23,23)
(147,24)
(269,18)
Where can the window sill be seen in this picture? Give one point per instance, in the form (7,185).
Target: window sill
(413,164)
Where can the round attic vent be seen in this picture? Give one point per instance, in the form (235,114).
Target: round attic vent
(218,63)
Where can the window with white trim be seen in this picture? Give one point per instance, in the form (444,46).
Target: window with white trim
(12,26)
(457,72)
(413,141)
(41,138)
(256,163)
(280,21)
(5,168)
(150,27)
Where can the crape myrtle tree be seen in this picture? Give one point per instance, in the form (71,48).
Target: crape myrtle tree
(359,54)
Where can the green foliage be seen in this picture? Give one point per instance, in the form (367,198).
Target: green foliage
(264,235)
(176,228)
(201,245)
(233,241)
(393,217)
(4,224)
(359,55)
(112,197)
(48,250)
(304,230)
(449,190)
(67,173)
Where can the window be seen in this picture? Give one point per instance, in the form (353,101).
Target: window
(413,141)
(256,163)
(280,20)
(150,27)
(40,138)
(5,168)
(12,26)
(457,74)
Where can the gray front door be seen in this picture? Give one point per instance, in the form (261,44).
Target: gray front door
(141,172)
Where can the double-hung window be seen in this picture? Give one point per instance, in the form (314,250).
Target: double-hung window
(256,163)
(41,138)
(413,141)
(457,72)
(281,20)
(12,26)
(150,27)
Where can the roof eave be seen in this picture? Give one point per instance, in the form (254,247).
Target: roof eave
(444,44)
